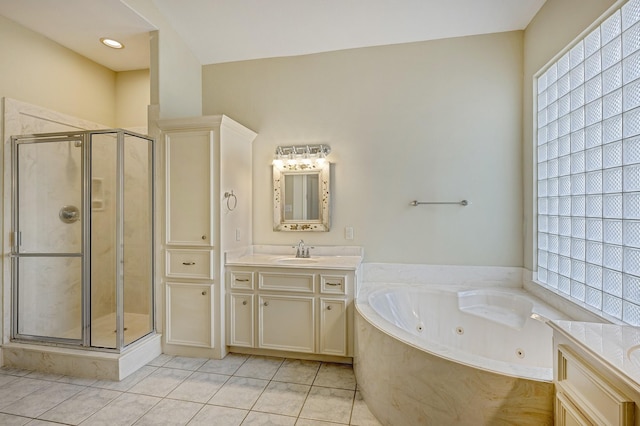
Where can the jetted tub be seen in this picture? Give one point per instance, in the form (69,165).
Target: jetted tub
(429,355)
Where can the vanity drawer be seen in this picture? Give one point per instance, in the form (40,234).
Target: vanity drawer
(196,264)
(283,281)
(598,399)
(333,284)
(241,280)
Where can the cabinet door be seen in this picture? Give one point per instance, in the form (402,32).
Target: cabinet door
(333,326)
(189,182)
(286,323)
(189,313)
(241,320)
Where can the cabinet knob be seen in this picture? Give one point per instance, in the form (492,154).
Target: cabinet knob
(329,308)
(204,237)
(204,293)
(266,303)
(244,302)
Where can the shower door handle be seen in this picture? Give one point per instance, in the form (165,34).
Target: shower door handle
(17,239)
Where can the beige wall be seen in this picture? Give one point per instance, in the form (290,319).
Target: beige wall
(553,28)
(37,70)
(132,99)
(437,120)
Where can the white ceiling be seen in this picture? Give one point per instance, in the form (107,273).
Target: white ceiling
(233,30)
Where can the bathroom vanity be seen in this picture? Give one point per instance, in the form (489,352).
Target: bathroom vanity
(596,373)
(279,304)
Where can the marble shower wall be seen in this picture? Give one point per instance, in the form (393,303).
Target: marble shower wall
(52,305)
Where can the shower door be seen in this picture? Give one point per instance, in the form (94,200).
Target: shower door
(48,248)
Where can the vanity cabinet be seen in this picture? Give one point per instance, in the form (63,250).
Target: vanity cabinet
(303,311)
(207,210)
(589,390)
(286,323)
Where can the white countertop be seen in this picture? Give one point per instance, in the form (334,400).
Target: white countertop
(616,346)
(321,257)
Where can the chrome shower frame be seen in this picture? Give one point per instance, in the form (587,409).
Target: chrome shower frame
(82,140)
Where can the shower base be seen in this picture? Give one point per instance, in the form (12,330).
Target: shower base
(103,329)
(89,363)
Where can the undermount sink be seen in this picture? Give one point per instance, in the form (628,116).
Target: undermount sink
(297,260)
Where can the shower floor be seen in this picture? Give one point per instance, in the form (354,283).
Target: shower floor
(103,329)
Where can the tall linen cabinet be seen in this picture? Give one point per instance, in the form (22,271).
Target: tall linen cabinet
(207,166)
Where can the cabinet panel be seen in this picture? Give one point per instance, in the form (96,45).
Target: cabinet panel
(333,327)
(286,323)
(189,160)
(568,414)
(598,399)
(242,320)
(299,282)
(333,284)
(241,280)
(196,264)
(189,313)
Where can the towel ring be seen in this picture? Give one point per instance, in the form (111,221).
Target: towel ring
(229,196)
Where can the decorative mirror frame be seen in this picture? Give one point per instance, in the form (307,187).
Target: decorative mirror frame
(279,172)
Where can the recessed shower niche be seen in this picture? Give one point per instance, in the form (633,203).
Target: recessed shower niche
(82,243)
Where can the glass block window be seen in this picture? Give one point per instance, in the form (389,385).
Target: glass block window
(588,169)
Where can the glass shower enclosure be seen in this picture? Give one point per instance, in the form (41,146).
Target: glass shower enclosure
(82,238)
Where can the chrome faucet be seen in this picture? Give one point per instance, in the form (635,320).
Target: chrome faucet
(300,250)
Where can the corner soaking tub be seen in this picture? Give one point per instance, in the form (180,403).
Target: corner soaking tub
(428,355)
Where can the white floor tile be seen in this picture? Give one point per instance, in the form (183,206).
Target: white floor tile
(185,363)
(255,418)
(170,412)
(11,420)
(338,376)
(361,415)
(161,382)
(123,411)
(297,371)
(81,406)
(19,388)
(328,404)
(282,398)
(228,365)
(260,367)
(239,392)
(47,397)
(213,415)
(160,360)
(128,382)
(199,387)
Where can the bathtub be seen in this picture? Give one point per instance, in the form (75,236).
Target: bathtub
(441,355)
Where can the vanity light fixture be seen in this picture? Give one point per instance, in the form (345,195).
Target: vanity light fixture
(304,155)
(109,42)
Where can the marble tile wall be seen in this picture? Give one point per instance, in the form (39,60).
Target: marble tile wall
(55,179)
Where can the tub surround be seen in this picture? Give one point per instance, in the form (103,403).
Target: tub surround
(403,384)
(476,276)
(573,308)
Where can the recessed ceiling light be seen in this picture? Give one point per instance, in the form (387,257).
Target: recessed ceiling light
(114,44)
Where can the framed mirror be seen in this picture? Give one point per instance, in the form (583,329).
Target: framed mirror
(301,197)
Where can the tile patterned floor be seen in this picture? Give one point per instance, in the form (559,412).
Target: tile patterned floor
(237,390)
